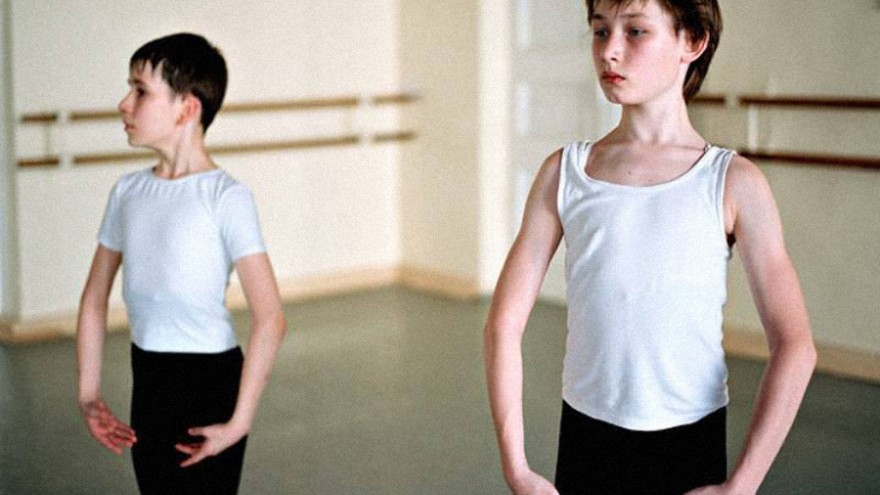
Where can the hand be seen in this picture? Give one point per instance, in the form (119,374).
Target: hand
(216,439)
(532,483)
(714,490)
(707,490)
(105,427)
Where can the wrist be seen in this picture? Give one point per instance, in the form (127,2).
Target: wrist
(739,485)
(515,469)
(84,400)
(239,425)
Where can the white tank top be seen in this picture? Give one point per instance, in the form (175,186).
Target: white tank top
(646,269)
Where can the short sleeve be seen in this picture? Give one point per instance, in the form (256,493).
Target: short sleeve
(239,223)
(110,235)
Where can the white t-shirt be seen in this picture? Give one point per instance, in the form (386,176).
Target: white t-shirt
(179,239)
(646,270)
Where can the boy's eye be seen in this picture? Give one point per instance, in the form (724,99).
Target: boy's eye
(636,32)
(600,33)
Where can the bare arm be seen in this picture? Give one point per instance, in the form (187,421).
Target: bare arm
(776,291)
(267,331)
(514,297)
(91,328)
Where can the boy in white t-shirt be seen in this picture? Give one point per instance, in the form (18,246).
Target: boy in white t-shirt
(178,229)
(649,214)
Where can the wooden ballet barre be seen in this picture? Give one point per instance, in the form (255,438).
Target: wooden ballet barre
(394,136)
(98,158)
(293,144)
(857,103)
(42,161)
(348,101)
(709,99)
(394,99)
(39,118)
(92,115)
(289,105)
(345,140)
(812,159)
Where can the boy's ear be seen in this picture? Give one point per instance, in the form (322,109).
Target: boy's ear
(694,48)
(191,109)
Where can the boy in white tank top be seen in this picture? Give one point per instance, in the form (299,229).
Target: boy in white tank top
(649,213)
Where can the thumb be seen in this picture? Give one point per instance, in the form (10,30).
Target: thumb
(196,431)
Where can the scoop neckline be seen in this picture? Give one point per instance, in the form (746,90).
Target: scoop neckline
(582,172)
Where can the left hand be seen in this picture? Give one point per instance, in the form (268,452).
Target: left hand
(215,439)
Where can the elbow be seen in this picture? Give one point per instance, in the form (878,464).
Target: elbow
(801,351)
(811,355)
(499,334)
(281,325)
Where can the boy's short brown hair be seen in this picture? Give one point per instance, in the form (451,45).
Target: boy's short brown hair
(699,18)
(189,65)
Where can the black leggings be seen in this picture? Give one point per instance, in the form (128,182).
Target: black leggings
(598,457)
(174,392)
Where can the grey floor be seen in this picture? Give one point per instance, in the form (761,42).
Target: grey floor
(382,392)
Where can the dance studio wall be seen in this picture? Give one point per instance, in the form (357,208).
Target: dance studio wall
(7,264)
(438,51)
(830,214)
(323,211)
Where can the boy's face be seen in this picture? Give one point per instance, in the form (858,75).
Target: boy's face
(637,54)
(150,110)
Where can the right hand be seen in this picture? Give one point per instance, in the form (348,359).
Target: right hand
(531,483)
(107,429)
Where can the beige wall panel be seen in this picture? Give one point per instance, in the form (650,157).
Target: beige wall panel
(829,214)
(323,210)
(439,172)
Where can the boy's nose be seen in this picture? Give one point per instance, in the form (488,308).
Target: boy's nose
(123,104)
(611,49)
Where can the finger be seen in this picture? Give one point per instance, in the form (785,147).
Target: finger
(110,445)
(197,431)
(125,433)
(194,459)
(188,448)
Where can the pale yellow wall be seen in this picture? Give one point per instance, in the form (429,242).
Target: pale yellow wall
(322,211)
(439,172)
(7,177)
(430,203)
(495,135)
(830,215)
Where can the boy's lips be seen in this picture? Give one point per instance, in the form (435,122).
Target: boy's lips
(612,76)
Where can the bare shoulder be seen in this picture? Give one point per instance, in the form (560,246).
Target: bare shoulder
(746,188)
(550,168)
(752,213)
(546,181)
(743,174)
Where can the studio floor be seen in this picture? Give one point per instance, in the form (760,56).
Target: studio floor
(382,392)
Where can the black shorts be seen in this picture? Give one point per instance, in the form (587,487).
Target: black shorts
(173,392)
(598,457)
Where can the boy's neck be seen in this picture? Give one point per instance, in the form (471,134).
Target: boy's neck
(656,123)
(183,158)
(185,155)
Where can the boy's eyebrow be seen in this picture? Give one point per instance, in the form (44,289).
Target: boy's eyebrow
(632,15)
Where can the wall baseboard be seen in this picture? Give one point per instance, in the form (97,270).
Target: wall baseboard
(833,360)
(452,286)
(738,341)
